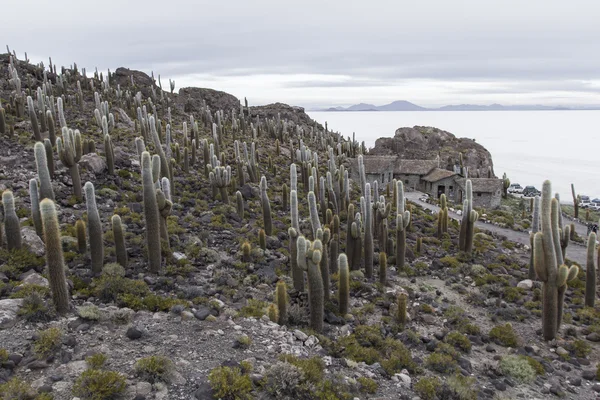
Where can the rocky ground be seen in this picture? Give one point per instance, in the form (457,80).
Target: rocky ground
(473,327)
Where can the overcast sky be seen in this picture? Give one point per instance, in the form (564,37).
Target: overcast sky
(331,52)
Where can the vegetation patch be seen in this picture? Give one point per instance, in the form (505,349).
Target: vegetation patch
(504,335)
(154,369)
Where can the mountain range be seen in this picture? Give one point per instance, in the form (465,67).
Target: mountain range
(403,105)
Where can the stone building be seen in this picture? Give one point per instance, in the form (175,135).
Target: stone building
(487,192)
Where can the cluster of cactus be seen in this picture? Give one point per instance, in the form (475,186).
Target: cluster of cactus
(70,151)
(442,222)
(402,222)
(309,258)
(12,227)
(549,264)
(467,225)
(220,178)
(354,239)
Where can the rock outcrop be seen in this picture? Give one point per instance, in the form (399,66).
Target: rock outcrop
(192,98)
(426,143)
(285,111)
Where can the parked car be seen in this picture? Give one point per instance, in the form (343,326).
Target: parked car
(531,191)
(585,204)
(515,188)
(594,206)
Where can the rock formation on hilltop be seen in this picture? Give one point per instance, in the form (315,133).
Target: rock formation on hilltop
(426,143)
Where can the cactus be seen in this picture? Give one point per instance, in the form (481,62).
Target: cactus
(505,184)
(81,239)
(349,241)
(119,238)
(467,225)
(49,157)
(151,215)
(549,264)
(294,231)
(382,268)
(382,211)
(70,151)
(220,178)
(325,237)
(54,257)
(284,197)
(282,302)
(590,272)
(343,284)
(368,232)
(401,309)
(2,121)
(246,251)
(239,201)
(34,121)
(535,227)
(419,245)
(262,239)
(110,154)
(46,191)
(309,258)
(164,163)
(314,213)
(94,229)
(164,209)
(35,207)
(402,221)
(266,206)
(442,217)
(12,227)
(575,202)
(273,313)
(334,244)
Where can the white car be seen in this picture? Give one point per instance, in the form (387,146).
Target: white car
(515,188)
(586,204)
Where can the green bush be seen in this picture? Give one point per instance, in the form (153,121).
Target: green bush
(313,368)
(441,363)
(48,341)
(15,262)
(95,384)
(96,361)
(230,384)
(581,348)
(3,355)
(518,368)
(254,308)
(504,335)
(34,309)
(16,389)
(459,341)
(462,387)
(427,388)
(367,385)
(26,289)
(154,369)
(91,312)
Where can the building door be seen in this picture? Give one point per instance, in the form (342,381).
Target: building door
(441,190)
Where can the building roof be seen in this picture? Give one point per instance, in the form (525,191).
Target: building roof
(416,167)
(380,164)
(482,185)
(438,174)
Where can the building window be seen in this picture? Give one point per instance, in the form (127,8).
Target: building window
(451,188)
(406,181)
(478,194)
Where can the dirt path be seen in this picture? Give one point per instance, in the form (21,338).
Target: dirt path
(575,251)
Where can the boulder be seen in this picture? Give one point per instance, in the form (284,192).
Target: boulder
(33,241)
(525,284)
(8,312)
(93,163)
(33,278)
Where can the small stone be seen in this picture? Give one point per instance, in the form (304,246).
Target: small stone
(405,379)
(311,341)
(499,385)
(525,284)
(143,388)
(134,333)
(555,389)
(178,256)
(575,381)
(300,335)
(593,337)
(561,351)
(33,278)
(490,349)
(590,375)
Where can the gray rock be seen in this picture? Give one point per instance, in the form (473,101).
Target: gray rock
(8,312)
(134,333)
(33,278)
(204,312)
(593,337)
(526,284)
(33,241)
(300,335)
(590,375)
(93,163)
(143,388)
(204,392)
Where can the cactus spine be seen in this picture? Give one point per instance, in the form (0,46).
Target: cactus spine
(282,303)
(402,221)
(549,264)
(12,227)
(81,239)
(151,215)
(266,206)
(467,225)
(54,257)
(94,229)
(70,151)
(309,257)
(35,207)
(343,283)
(119,238)
(590,272)
(41,163)
(294,231)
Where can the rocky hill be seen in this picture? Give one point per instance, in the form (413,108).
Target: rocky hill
(426,143)
(182,258)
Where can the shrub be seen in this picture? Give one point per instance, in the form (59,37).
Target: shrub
(3,355)
(427,388)
(312,367)
(26,289)
(15,262)
(154,369)
(442,363)
(230,384)
(34,309)
(91,312)
(367,385)
(504,335)
(460,388)
(518,368)
(581,348)
(16,389)
(283,379)
(397,357)
(536,365)
(254,308)
(459,341)
(450,262)
(243,342)
(47,342)
(95,384)
(96,361)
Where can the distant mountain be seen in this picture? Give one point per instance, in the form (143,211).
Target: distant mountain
(403,105)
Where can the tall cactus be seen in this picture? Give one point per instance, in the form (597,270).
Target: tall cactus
(575,202)
(325,237)
(49,156)
(266,206)
(94,229)
(164,209)
(151,215)
(34,121)
(119,238)
(590,272)
(35,207)
(282,302)
(467,225)
(54,257)
(368,232)
(442,217)
(220,178)
(46,191)
(315,222)
(294,232)
(70,151)
(382,268)
(343,284)
(12,227)
(309,257)
(110,154)
(535,228)
(334,244)
(81,239)
(549,265)
(239,201)
(402,221)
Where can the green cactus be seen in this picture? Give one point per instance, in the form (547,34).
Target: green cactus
(164,163)
(368,232)
(34,121)
(266,206)
(343,284)
(54,257)
(401,309)
(119,238)
(535,227)
(2,121)
(505,185)
(575,202)
(356,246)
(294,231)
(151,215)
(246,251)
(239,201)
(402,222)
(467,225)
(325,237)
(334,244)
(309,258)
(419,245)
(442,222)
(110,154)
(262,239)
(382,268)
(35,207)
(51,127)
(549,264)
(70,152)
(349,240)
(49,157)
(282,302)
(94,229)
(590,272)
(164,209)
(381,215)
(81,239)
(314,213)
(220,178)
(12,227)
(41,163)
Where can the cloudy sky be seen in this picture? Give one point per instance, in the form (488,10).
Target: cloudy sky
(331,52)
